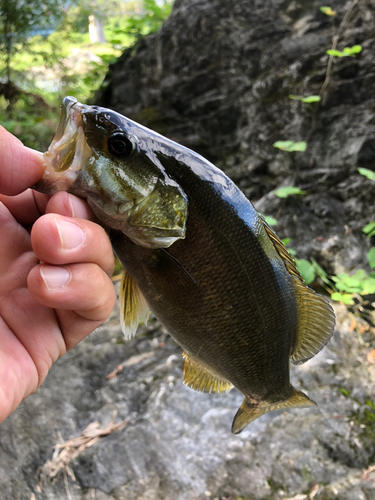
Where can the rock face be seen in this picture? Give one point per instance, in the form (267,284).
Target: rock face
(177,444)
(217,78)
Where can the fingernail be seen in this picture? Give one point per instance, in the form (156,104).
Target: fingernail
(54,277)
(70,200)
(71,235)
(34,151)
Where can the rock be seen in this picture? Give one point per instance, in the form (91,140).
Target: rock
(217,78)
(178,442)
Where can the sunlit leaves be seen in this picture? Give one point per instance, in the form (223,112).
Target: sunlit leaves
(307,270)
(308,100)
(369,229)
(291,146)
(370,174)
(271,221)
(371,257)
(285,191)
(328,11)
(347,52)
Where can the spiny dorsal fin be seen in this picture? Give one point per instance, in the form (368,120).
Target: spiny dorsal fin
(315,315)
(133,306)
(248,411)
(199,377)
(281,250)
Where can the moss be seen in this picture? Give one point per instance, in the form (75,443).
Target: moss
(364,422)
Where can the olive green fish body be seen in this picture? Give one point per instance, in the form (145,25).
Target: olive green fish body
(197,254)
(217,292)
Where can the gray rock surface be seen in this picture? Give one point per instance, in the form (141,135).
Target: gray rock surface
(217,78)
(177,444)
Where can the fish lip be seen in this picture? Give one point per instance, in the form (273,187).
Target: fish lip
(68,151)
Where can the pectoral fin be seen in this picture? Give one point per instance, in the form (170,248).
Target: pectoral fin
(201,378)
(249,411)
(133,306)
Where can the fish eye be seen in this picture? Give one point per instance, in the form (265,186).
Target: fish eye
(120,145)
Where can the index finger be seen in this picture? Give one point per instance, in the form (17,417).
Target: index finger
(20,167)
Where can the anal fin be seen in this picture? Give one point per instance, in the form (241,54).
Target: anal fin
(248,411)
(133,306)
(201,378)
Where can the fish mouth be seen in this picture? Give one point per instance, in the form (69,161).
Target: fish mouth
(68,151)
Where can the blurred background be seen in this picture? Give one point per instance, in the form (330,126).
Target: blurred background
(50,49)
(280,94)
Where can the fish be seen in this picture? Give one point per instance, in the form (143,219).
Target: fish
(197,254)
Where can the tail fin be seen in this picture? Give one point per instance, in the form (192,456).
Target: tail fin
(248,412)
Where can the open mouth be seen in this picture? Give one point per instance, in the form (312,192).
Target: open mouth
(68,151)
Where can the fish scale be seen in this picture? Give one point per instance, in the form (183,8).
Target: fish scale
(197,254)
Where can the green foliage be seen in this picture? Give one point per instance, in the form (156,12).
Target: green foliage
(32,122)
(328,11)
(309,99)
(370,174)
(150,19)
(285,191)
(286,242)
(20,20)
(369,229)
(371,258)
(291,146)
(306,270)
(271,221)
(359,283)
(344,391)
(347,52)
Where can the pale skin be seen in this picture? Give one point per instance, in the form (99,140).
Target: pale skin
(55,268)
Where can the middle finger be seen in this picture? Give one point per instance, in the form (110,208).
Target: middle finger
(62,240)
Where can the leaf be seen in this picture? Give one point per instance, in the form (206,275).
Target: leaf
(350,51)
(328,11)
(291,146)
(360,274)
(320,272)
(370,174)
(307,270)
(371,257)
(344,391)
(336,53)
(368,286)
(308,99)
(285,241)
(369,229)
(271,221)
(346,298)
(285,191)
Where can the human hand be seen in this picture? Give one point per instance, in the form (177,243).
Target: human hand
(55,285)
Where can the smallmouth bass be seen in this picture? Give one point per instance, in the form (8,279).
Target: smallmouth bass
(197,254)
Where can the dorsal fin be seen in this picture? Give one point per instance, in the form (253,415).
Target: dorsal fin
(315,315)
(199,377)
(133,306)
(316,323)
(281,250)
